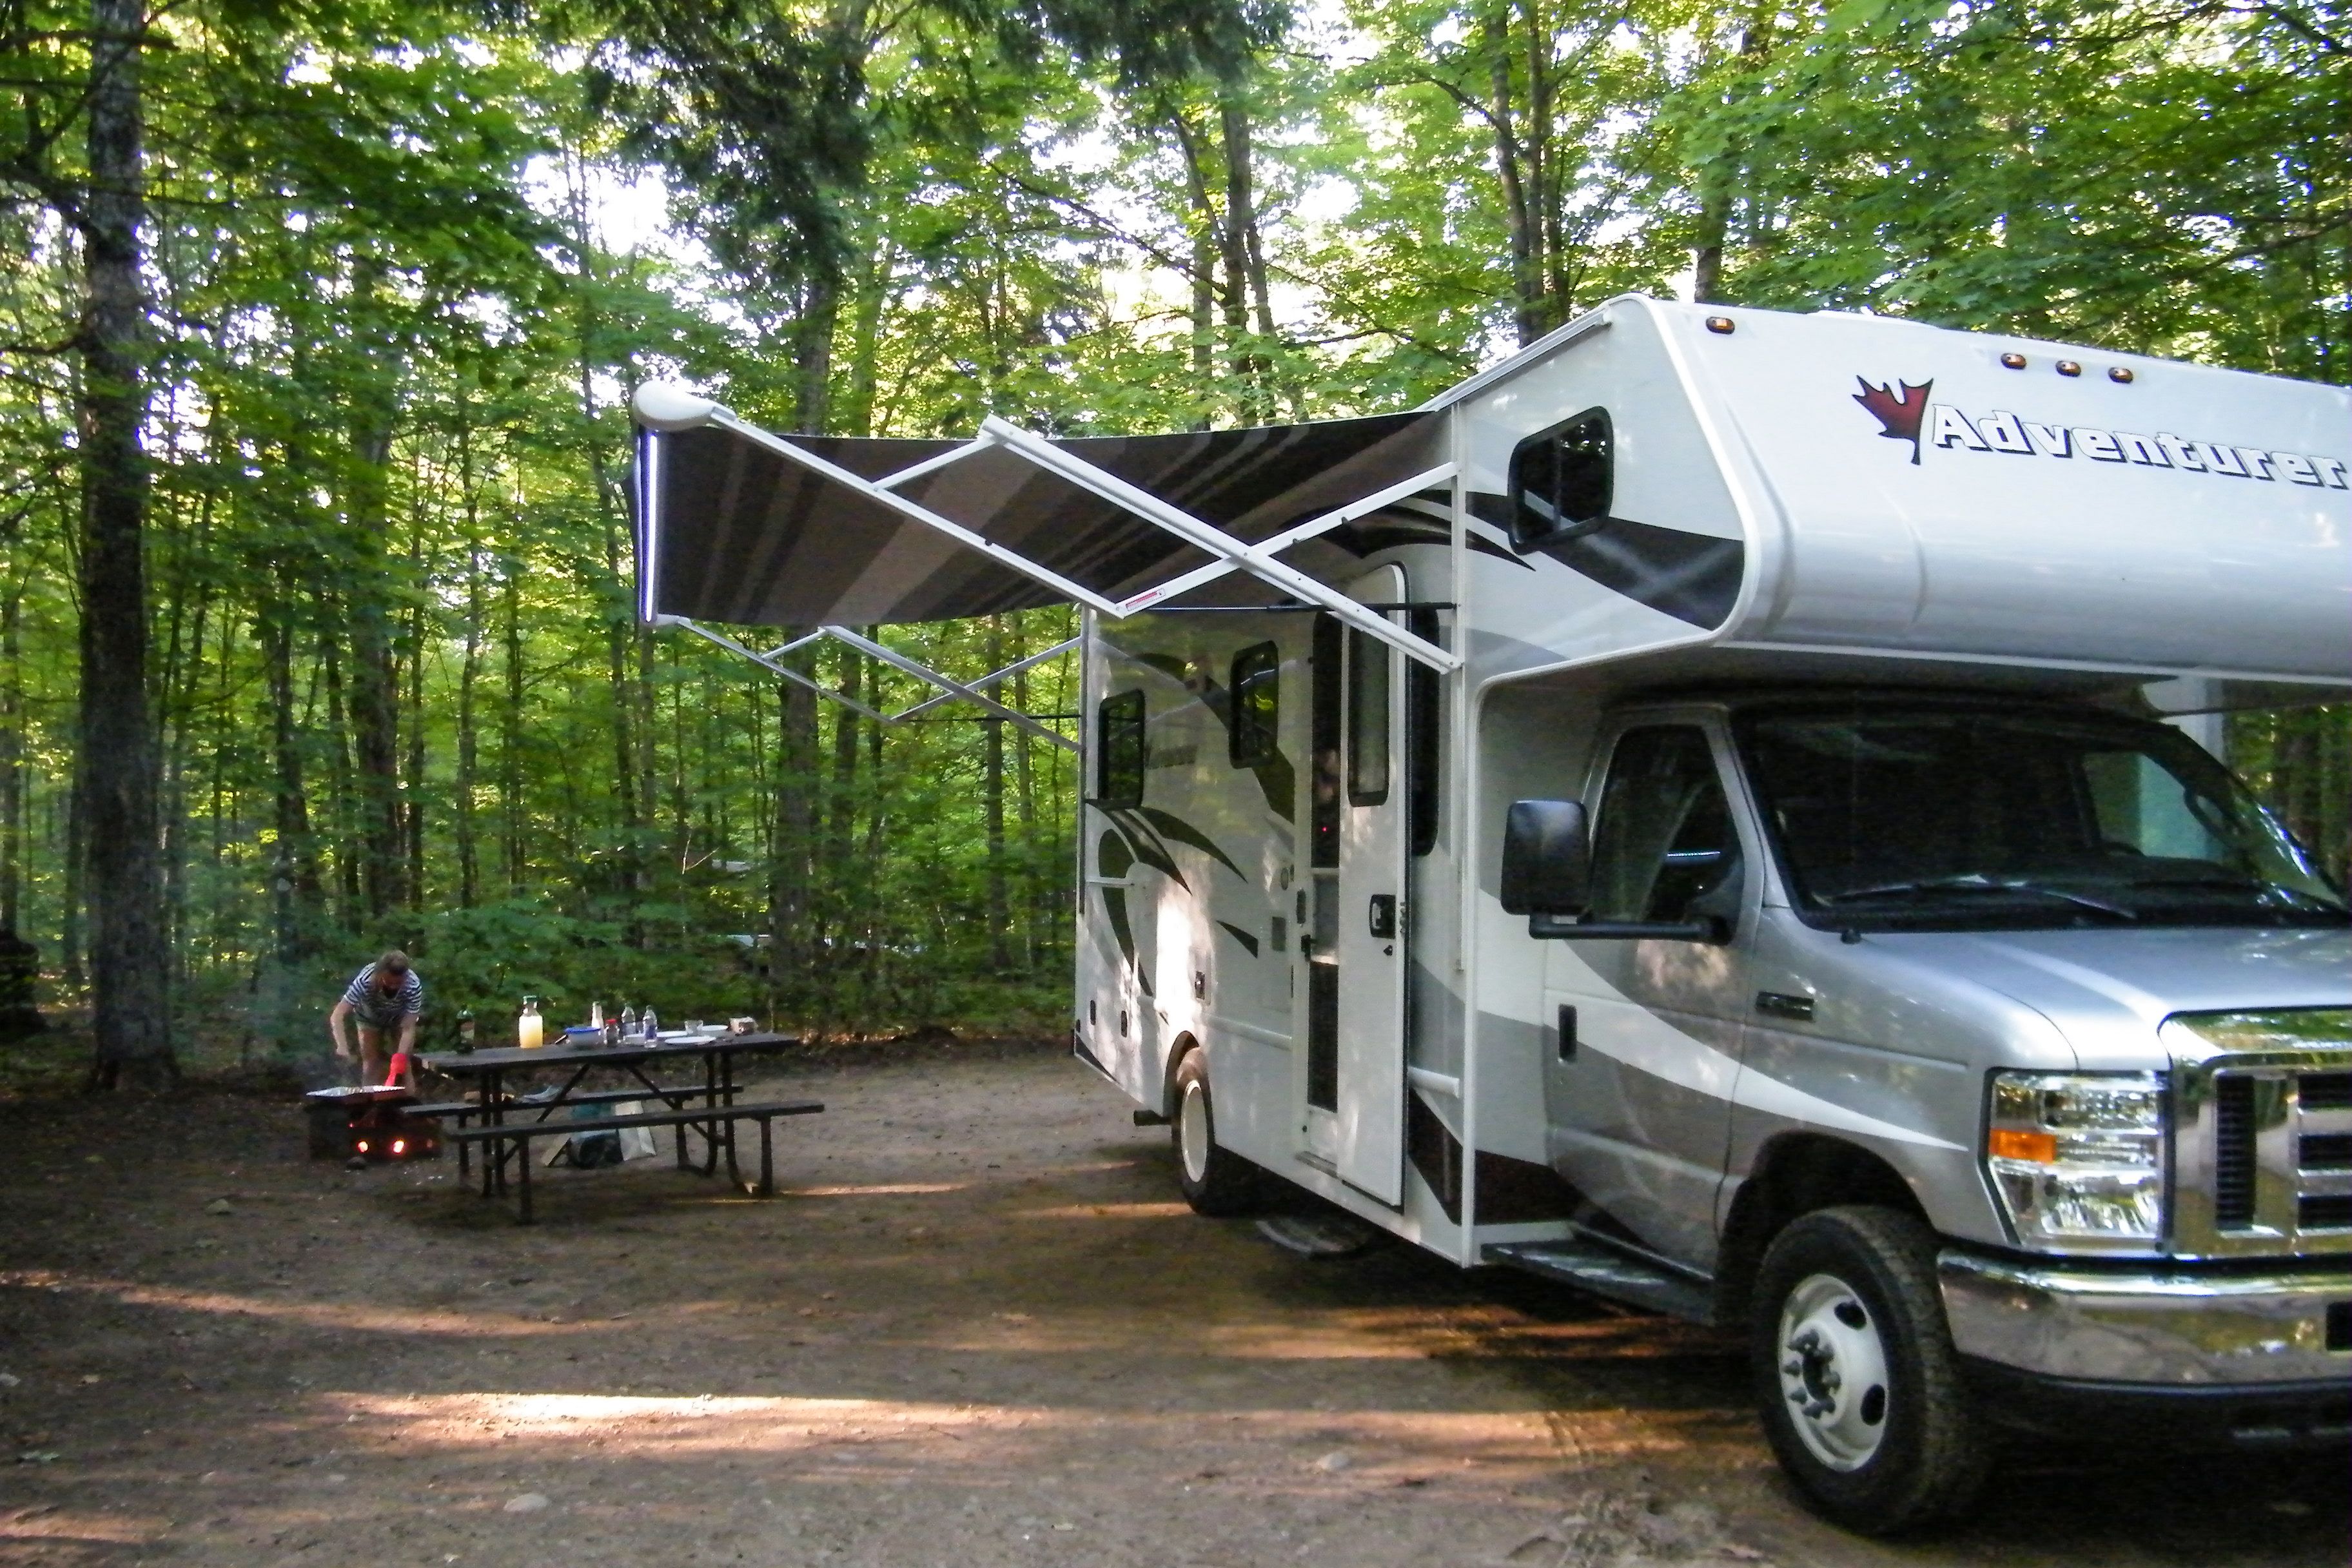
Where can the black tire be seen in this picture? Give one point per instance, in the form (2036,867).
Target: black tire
(1217,1181)
(1848,1296)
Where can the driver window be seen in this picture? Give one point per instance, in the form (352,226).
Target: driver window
(1665,837)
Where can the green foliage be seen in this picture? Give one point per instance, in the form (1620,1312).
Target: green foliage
(399,690)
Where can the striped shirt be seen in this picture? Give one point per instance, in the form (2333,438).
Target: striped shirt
(377,1011)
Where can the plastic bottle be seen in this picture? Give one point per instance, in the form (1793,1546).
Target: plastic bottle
(653,1025)
(596,1014)
(527,1026)
(628,1021)
(465,1032)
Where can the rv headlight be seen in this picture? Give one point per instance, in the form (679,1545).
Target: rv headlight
(2078,1156)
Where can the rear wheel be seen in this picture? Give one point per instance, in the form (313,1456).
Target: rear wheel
(1215,1180)
(1860,1388)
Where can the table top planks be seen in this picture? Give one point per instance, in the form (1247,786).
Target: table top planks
(467,1064)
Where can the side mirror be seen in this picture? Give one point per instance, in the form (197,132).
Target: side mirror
(1547,858)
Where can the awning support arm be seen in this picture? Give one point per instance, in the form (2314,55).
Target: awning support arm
(953,688)
(1215,542)
(1285,540)
(767,661)
(991,678)
(950,689)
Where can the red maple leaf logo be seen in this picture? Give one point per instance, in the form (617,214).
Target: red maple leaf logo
(1900,416)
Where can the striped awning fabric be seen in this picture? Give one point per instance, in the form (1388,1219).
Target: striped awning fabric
(731,531)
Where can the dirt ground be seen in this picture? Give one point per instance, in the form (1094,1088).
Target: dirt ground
(979,1329)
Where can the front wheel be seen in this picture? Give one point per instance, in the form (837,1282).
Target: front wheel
(1860,1388)
(1215,1180)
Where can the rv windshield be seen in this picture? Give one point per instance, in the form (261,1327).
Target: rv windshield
(1934,818)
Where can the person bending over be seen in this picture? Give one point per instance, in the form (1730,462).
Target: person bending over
(385,995)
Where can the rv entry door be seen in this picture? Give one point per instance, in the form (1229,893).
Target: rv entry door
(1355,1103)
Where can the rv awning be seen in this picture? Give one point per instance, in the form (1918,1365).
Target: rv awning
(738,525)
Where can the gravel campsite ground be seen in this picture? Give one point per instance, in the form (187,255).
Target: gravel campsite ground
(978,1329)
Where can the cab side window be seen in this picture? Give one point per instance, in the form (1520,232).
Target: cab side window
(1665,838)
(1119,750)
(1256,682)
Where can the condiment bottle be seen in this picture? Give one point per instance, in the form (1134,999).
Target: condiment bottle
(596,1014)
(527,1026)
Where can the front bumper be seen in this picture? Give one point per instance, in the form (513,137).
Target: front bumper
(2150,1328)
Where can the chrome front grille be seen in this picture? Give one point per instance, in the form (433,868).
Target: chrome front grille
(2262,1134)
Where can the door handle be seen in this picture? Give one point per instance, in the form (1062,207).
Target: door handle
(1382,916)
(1782,1004)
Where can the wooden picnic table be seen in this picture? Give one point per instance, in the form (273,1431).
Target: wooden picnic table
(716,1054)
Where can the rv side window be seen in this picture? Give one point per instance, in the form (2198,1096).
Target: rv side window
(1562,481)
(1118,745)
(1368,720)
(1665,837)
(1256,685)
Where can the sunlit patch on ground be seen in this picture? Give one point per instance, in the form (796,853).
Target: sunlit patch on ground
(353,1316)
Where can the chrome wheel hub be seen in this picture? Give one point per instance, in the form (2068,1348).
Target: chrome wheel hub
(1192,1133)
(1833,1372)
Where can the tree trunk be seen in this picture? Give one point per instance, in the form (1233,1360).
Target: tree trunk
(129,1015)
(375,680)
(842,809)
(1000,903)
(71,941)
(12,751)
(633,810)
(412,815)
(1519,210)
(511,801)
(1207,243)
(865,337)
(339,786)
(789,870)
(294,885)
(469,675)
(812,352)
(1233,121)
(1719,180)
(1025,802)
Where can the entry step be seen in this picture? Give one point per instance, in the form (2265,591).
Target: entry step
(1591,1266)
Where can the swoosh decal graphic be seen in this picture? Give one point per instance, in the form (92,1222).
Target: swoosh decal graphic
(1652,1044)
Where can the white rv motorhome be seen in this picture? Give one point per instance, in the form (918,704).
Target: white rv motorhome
(1691,812)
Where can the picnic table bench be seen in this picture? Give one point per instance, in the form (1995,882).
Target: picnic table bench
(717,1122)
(462,1112)
(504,1124)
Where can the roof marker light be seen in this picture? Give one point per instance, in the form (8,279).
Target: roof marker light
(2068,367)
(1723,324)
(2013,360)
(2120,373)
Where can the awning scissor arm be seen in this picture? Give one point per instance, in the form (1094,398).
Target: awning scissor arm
(950,689)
